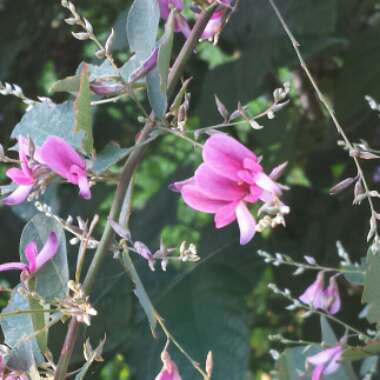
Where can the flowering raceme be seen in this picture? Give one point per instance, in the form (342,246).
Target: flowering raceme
(62,159)
(228,179)
(320,298)
(24,177)
(326,362)
(35,260)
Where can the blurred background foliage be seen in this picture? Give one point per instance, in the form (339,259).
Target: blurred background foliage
(222,303)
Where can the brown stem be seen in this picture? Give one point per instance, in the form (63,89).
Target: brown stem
(127,172)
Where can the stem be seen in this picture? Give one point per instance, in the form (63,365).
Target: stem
(126,175)
(328,108)
(170,338)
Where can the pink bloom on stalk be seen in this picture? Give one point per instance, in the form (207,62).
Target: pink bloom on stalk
(35,260)
(180,23)
(24,176)
(320,298)
(228,179)
(169,370)
(215,25)
(326,362)
(62,159)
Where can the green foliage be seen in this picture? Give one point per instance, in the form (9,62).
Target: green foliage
(109,156)
(19,333)
(371,294)
(140,291)
(83,112)
(46,119)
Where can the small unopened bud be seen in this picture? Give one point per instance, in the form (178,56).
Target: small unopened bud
(109,41)
(88,26)
(81,36)
(221,109)
(71,21)
(209,364)
(343,185)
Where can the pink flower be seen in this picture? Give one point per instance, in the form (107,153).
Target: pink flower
(228,179)
(216,23)
(326,362)
(63,160)
(318,297)
(24,177)
(180,23)
(35,260)
(169,370)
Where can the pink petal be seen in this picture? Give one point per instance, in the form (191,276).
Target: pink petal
(317,373)
(247,223)
(314,295)
(334,364)
(169,370)
(216,186)
(145,67)
(254,195)
(84,187)
(48,251)
(19,177)
(12,266)
(225,156)
(324,356)
(59,156)
(198,201)
(225,215)
(18,196)
(214,26)
(178,186)
(181,25)
(31,253)
(263,181)
(333,297)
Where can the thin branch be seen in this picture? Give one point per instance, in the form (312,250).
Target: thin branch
(329,110)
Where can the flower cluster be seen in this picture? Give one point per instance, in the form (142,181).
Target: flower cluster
(213,27)
(229,178)
(319,297)
(55,155)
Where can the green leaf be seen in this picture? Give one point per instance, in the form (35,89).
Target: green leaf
(357,278)
(69,84)
(18,333)
(51,280)
(157,80)
(46,119)
(345,371)
(157,99)
(40,319)
(112,154)
(83,112)
(291,364)
(142,27)
(352,353)
(371,294)
(140,291)
(109,156)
